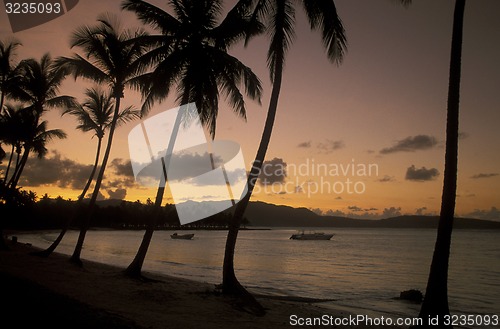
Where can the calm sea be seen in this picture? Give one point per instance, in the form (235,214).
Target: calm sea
(361,269)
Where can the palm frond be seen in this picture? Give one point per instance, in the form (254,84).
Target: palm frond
(80,67)
(152,15)
(282,32)
(322,14)
(128,114)
(66,102)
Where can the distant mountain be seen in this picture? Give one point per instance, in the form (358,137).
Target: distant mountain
(265,214)
(261,214)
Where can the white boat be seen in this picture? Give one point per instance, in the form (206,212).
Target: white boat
(182,236)
(311,236)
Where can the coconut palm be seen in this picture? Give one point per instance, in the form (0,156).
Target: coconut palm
(11,127)
(38,88)
(95,115)
(7,67)
(33,138)
(279,16)
(436,294)
(192,53)
(110,57)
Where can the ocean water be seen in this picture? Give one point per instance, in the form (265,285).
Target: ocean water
(362,270)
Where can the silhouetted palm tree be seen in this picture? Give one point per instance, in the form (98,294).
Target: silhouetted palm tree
(280,18)
(32,137)
(95,115)
(111,57)
(7,67)
(10,127)
(436,294)
(37,88)
(192,52)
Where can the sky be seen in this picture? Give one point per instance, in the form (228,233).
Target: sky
(364,138)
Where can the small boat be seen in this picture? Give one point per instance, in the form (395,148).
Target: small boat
(182,236)
(311,236)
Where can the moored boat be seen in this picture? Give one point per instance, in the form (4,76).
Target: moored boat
(311,236)
(182,236)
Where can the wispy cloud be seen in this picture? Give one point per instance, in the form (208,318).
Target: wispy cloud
(483,175)
(306,145)
(329,146)
(386,179)
(411,144)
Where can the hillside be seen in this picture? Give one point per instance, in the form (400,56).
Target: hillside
(265,214)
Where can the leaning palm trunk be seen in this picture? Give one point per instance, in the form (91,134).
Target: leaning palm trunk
(19,168)
(47,252)
(90,209)
(8,165)
(135,268)
(436,295)
(230,284)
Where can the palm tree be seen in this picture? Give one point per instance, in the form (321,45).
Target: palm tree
(38,88)
(280,18)
(111,57)
(436,295)
(192,52)
(95,115)
(9,129)
(7,68)
(32,137)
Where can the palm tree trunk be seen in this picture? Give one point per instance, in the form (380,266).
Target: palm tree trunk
(135,268)
(19,168)
(8,165)
(2,100)
(436,295)
(47,252)
(75,258)
(230,284)
(94,169)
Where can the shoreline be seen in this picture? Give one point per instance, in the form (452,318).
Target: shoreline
(102,293)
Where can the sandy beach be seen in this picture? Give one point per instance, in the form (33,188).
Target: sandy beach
(51,291)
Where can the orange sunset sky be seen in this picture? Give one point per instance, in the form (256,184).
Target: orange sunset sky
(384,106)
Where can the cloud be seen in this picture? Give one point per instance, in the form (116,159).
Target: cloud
(122,167)
(491,214)
(329,146)
(420,211)
(119,193)
(123,175)
(482,175)
(354,208)
(356,212)
(55,170)
(386,179)
(391,212)
(411,144)
(305,144)
(421,175)
(273,171)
